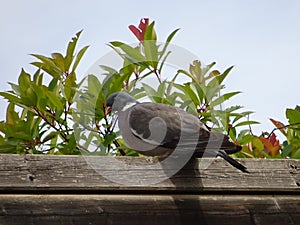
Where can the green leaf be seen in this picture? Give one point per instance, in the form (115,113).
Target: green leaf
(161,89)
(49,63)
(78,57)
(46,60)
(50,136)
(70,50)
(222,98)
(7,148)
(149,91)
(59,61)
(297,108)
(112,83)
(184,72)
(150,33)
(170,37)
(109,70)
(53,84)
(287,150)
(208,67)
(257,144)
(150,47)
(214,86)
(158,99)
(52,71)
(94,85)
(213,73)
(213,89)
(200,90)
(151,53)
(55,100)
(241,115)
(72,142)
(24,81)
(196,72)
(35,129)
(233,108)
(138,93)
(246,139)
(222,76)
(11,98)
(42,99)
(11,116)
(244,123)
(296,155)
(15,88)
(133,53)
(293,116)
(27,94)
(116,43)
(29,98)
(38,78)
(187,90)
(232,133)
(162,63)
(70,87)
(109,138)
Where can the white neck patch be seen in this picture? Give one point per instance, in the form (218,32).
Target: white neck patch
(128,106)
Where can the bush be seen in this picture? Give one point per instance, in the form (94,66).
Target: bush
(65,116)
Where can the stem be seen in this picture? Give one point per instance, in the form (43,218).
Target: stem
(64,137)
(285,126)
(158,75)
(108,130)
(66,117)
(250,128)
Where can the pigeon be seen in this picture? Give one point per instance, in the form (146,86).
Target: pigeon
(155,129)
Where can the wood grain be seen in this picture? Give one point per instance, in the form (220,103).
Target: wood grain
(149,209)
(39,189)
(45,173)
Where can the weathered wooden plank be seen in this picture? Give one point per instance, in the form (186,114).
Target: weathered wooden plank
(21,173)
(46,190)
(150,209)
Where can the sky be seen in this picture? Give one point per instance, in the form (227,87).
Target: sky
(261,38)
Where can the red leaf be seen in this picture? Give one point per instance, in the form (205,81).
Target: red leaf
(271,144)
(279,125)
(141,30)
(144,24)
(274,140)
(136,32)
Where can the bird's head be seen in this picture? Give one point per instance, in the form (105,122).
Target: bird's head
(119,101)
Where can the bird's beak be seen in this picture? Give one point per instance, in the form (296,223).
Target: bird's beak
(107,111)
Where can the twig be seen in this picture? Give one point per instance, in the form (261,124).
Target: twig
(52,125)
(285,126)
(158,75)
(250,128)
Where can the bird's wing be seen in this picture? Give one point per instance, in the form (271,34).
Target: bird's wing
(166,125)
(171,127)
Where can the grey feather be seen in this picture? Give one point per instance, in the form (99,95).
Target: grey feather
(157,129)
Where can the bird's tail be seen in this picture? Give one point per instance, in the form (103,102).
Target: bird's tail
(232,161)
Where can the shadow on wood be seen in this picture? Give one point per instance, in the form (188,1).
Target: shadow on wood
(67,190)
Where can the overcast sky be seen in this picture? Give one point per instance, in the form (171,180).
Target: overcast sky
(261,38)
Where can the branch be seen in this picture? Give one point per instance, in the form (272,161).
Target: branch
(285,126)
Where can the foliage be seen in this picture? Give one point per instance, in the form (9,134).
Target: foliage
(42,124)
(65,116)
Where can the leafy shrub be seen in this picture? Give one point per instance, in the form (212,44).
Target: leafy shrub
(42,125)
(65,116)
